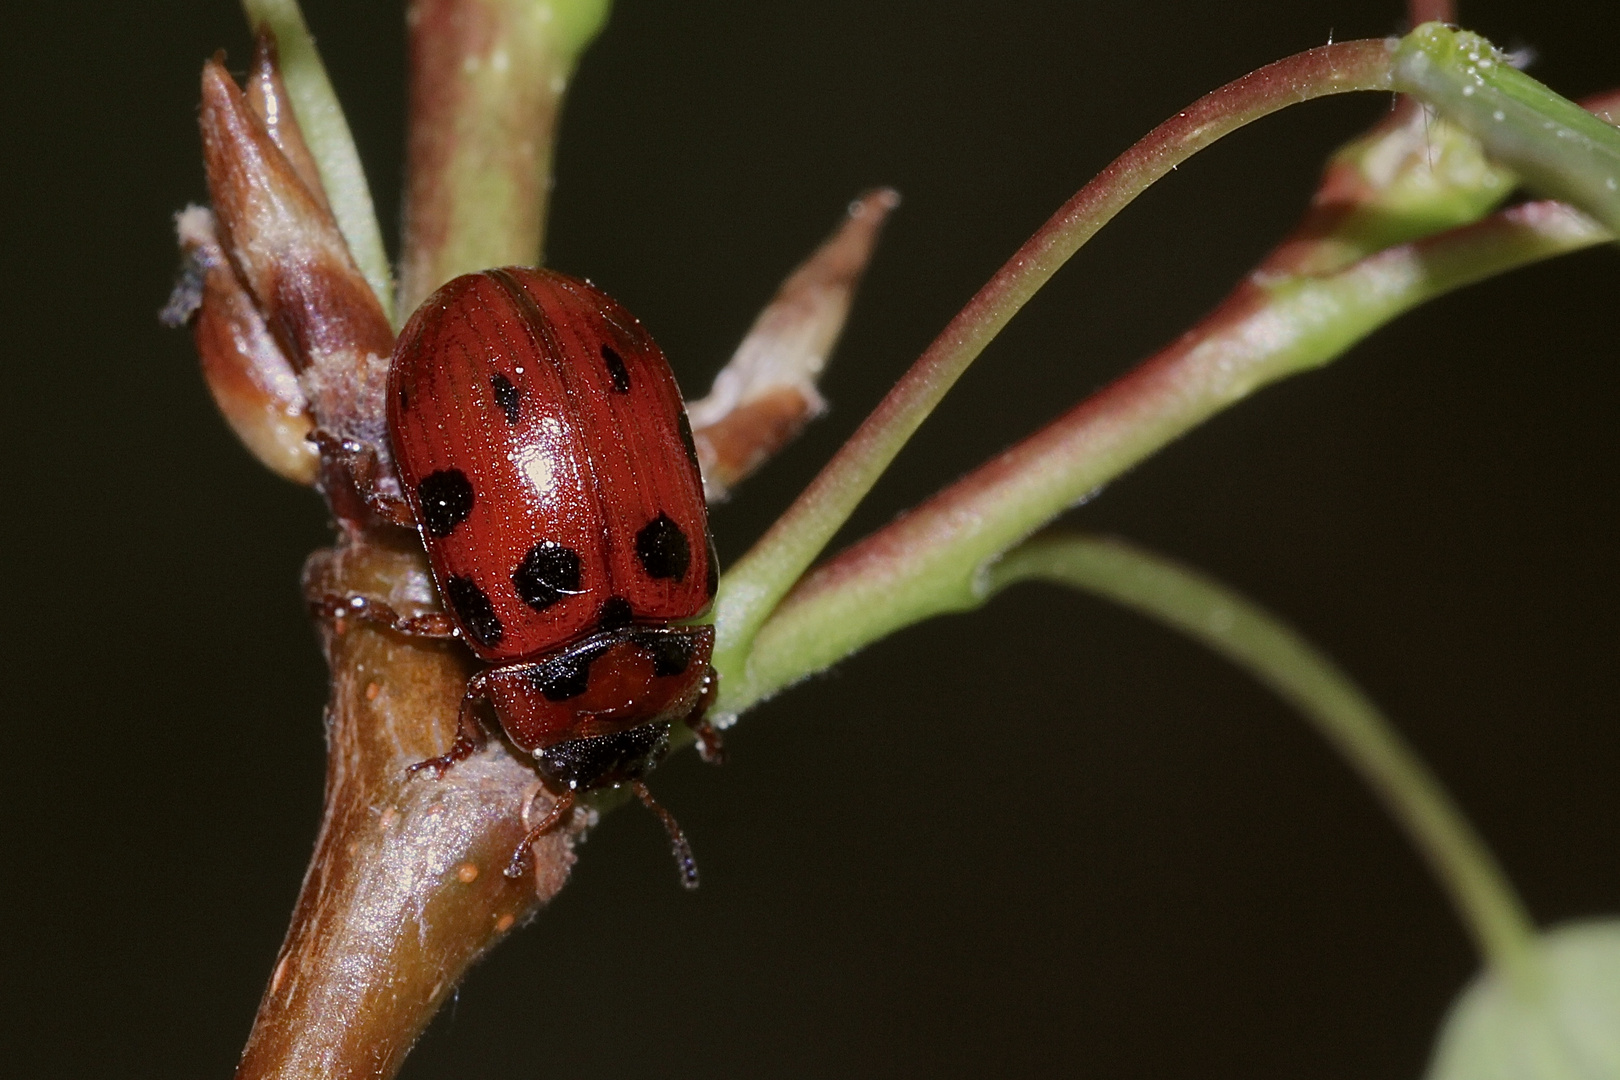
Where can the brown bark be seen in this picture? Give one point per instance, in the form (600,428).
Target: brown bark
(405,890)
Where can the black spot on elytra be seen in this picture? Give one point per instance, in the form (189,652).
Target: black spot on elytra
(506,396)
(473,610)
(711,581)
(616,368)
(663,549)
(684,426)
(567,676)
(447,498)
(547,573)
(671,653)
(616,614)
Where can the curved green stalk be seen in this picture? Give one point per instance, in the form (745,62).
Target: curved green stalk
(930,561)
(757,583)
(917,567)
(330,142)
(1275,654)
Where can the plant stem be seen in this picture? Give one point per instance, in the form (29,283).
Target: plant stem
(330,142)
(1558,148)
(758,582)
(931,561)
(487,82)
(404,890)
(1272,652)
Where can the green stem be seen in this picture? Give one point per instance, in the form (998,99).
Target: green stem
(1557,147)
(1260,643)
(931,560)
(487,84)
(330,142)
(758,582)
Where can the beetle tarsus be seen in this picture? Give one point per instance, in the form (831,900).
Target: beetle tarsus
(470,734)
(460,750)
(520,862)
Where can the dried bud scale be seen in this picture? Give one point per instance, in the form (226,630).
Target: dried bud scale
(289,254)
(766,393)
(266,95)
(248,375)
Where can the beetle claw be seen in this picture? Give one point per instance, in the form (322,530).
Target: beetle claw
(520,862)
(711,748)
(438,766)
(460,750)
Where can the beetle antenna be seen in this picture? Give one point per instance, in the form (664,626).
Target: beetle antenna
(677,839)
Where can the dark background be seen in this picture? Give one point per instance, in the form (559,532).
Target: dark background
(1044,837)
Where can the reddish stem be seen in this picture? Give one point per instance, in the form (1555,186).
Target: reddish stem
(1199,374)
(781,556)
(1419,12)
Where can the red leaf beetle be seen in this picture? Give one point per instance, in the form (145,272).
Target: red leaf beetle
(547,462)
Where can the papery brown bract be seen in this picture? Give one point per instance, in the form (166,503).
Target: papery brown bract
(266,95)
(250,378)
(766,393)
(289,254)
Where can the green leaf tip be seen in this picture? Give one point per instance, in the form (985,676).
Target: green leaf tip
(1557,147)
(1567,1028)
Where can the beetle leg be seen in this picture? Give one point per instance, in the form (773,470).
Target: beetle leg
(470,733)
(711,748)
(360,462)
(434,624)
(519,865)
